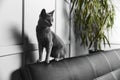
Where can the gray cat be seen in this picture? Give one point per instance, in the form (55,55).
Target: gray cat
(48,39)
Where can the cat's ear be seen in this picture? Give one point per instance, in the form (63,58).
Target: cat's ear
(43,13)
(51,13)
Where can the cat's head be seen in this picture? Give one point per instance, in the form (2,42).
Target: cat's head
(47,17)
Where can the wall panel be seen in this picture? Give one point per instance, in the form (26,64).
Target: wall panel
(10,21)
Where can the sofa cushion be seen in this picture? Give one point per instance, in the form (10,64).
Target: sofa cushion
(114,75)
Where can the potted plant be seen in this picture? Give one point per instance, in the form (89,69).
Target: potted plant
(91,20)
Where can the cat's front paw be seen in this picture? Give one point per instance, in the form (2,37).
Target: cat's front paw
(57,59)
(38,61)
(47,61)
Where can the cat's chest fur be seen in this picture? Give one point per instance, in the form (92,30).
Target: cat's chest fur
(44,34)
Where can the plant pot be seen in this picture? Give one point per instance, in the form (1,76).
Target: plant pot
(93,51)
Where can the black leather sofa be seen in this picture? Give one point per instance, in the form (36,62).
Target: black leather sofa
(98,66)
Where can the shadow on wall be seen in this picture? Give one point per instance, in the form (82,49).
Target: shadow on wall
(26,47)
(27,55)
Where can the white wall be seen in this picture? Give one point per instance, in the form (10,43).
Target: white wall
(16,51)
(114,33)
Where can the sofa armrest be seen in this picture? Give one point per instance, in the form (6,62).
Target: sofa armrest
(76,68)
(16,75)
